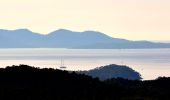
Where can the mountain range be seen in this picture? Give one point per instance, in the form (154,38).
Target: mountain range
(62,38)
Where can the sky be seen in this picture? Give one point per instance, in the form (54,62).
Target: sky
(129,19)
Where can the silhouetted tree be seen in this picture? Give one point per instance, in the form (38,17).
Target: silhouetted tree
(29,83)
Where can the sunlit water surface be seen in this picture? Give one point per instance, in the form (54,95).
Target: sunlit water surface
(150,63)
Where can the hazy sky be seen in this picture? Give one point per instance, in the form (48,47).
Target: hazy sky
(130,19)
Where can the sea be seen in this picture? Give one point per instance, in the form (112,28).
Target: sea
(150,63)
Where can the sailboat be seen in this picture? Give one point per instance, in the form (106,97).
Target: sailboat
(62,64)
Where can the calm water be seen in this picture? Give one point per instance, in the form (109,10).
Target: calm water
(151,63)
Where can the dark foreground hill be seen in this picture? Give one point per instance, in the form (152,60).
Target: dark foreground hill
(113,71)
(27,83)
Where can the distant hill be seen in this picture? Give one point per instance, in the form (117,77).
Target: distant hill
(24,38)
(113,71)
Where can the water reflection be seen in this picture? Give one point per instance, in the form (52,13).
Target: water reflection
(151,63)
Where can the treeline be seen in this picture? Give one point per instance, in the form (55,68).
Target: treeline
(29,83)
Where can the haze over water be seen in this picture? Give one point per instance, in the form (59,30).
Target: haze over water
(150,63)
